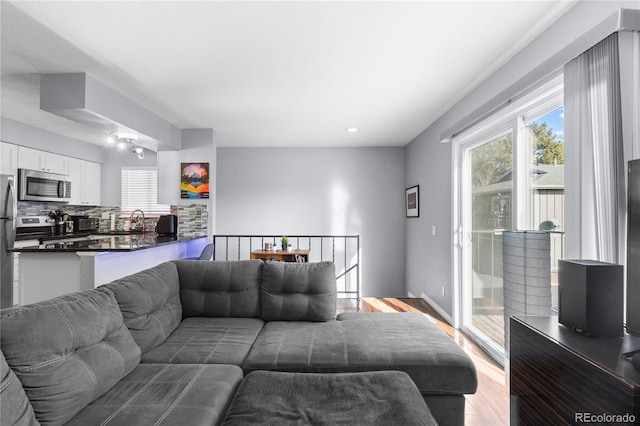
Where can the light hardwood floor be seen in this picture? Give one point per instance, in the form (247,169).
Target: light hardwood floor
(489,406)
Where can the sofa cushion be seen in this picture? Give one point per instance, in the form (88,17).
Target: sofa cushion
(150,303)
(202,340)
(298,291)
(372,398)
(166,394)
(15,408)
(68,351)
(408,342)
(220,288)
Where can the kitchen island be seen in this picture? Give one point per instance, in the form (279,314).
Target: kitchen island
(54,268)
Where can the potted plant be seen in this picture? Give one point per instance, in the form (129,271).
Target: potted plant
(285,243)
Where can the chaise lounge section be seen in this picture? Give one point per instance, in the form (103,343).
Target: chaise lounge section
(176,340)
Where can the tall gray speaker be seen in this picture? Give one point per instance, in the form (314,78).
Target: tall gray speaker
(591,297)
(526,266)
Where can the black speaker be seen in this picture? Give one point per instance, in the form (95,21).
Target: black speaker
(591,297)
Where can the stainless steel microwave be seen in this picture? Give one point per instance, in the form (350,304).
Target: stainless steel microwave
(41,186)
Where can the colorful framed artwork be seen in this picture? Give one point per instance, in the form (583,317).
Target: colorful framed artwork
(412,201)
(194,180)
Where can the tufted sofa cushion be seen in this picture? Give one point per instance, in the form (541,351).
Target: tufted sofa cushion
(298,291)
(68,351)
(150,303)
(15,408)
(220,288)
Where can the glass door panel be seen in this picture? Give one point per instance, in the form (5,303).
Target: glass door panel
(545,185)
(488,205)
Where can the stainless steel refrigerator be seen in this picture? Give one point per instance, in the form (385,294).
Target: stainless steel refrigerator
(7,237)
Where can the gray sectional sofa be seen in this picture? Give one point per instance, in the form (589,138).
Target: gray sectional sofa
(172,345)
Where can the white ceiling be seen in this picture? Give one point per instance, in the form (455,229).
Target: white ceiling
(267,73)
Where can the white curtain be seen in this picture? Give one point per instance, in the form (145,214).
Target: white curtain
(629,46)
(594,180)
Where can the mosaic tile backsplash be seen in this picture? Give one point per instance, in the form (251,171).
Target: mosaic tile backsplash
(193,219)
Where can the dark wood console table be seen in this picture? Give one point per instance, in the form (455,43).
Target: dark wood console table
(280,255)
(560,377)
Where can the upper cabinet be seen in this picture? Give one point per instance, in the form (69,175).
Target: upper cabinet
(85,176)
(34,159)
(8,159)
(85,182)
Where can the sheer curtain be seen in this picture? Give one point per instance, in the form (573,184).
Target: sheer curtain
(629,46)
(594,180)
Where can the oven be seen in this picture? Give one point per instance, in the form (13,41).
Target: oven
(41,186)
(33,228)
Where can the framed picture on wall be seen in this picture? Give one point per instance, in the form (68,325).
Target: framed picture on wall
(412,201)
(194,180)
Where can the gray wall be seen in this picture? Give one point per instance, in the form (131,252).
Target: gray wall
(33,137)
(289,191)
(428,162)
(198,145)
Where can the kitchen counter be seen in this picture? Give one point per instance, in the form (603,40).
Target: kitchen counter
(105,243)
(58,267)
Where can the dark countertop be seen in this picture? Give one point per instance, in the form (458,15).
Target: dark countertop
(106,243)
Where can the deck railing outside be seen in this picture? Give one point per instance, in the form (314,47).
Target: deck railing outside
(342,250)
(487,284)
(487,266)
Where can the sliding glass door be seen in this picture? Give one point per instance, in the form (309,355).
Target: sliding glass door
(509,175)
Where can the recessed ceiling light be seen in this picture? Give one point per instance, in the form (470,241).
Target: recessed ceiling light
(351,129)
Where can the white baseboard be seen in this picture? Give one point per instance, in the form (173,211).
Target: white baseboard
(435,306)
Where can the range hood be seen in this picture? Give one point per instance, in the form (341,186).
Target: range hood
(81,98)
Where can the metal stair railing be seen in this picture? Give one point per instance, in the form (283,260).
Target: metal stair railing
(342,250)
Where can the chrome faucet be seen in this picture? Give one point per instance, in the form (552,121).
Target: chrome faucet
(131,217)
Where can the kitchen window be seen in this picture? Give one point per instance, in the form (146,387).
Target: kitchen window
(140,191)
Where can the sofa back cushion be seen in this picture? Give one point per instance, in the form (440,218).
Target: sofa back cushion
(15,408)
(68,351)
(150,303)
(298,291)
(220,288)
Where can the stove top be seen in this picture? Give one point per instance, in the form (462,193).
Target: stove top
(41,228)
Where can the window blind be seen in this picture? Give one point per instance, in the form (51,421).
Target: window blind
(140,191)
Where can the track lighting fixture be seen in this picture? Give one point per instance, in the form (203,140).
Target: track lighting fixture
(126,139)
(139,151)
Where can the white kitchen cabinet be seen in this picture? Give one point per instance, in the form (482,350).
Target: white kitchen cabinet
(34,159)
(8,159)
(85,182)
